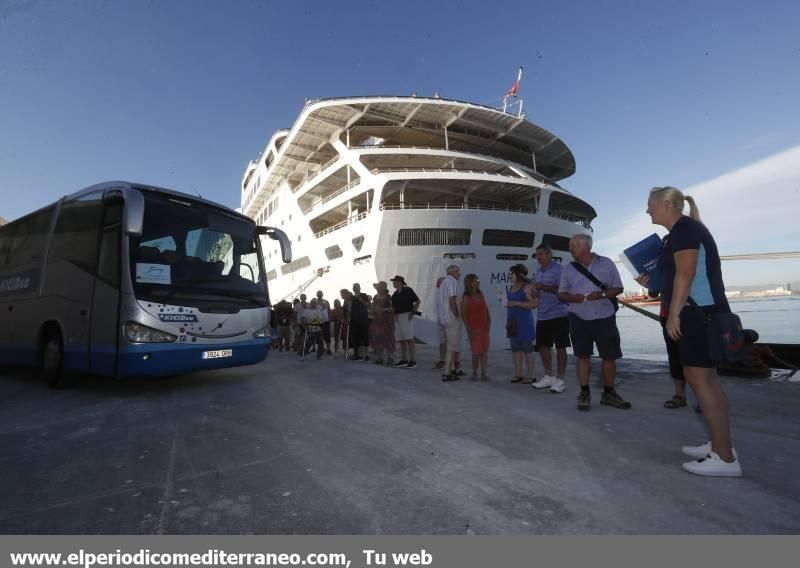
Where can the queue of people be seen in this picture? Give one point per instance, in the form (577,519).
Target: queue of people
(576,307)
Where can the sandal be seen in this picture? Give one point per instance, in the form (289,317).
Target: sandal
(676,401)
(517,379)
(527,381)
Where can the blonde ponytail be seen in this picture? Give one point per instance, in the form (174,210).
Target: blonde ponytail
(694,212)
(677,199)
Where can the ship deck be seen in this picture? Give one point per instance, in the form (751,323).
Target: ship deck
(347,447)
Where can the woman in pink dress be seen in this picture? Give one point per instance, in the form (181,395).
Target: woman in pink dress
(475,314)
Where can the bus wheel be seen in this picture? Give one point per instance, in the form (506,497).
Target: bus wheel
(53,360)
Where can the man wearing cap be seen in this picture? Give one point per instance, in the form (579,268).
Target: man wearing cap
(405,303)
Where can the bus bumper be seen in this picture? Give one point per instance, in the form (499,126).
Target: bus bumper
(165,359)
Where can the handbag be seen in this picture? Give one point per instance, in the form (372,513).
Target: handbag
(511,328)
(725,335)
(585,271)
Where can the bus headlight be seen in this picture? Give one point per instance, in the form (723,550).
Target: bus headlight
(138,333)
(262,333)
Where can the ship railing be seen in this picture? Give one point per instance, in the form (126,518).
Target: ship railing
(333,195)
(438,170)
(572,219)
(344,223)
(462,206)
(482,207)
(321,169)
(529,171)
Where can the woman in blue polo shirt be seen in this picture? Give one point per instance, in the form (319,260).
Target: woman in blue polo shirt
(690,268)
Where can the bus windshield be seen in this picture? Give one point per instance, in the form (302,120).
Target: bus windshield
(189,250)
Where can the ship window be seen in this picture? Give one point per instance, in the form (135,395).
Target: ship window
(433,237)
(358,242)
(512,257)
(295,265)
(506,238)
(272,275)
(556,242)
(458,255)
(333,252)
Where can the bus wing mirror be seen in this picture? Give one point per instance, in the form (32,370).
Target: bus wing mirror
(133,220)
(278,235)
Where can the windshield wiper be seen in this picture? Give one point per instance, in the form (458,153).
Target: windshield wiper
(239,296)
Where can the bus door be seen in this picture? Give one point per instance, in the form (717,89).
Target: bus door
(105,325)
(70,276)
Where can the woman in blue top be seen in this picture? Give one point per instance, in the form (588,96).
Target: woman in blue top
(690,268)
(521,303)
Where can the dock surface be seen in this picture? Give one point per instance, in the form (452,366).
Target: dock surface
(335,447)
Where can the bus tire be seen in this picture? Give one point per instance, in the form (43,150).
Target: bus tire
(53,358)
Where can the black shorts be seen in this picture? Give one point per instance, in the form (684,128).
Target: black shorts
(693,343)
(673,354)
(553,332)
(602,332)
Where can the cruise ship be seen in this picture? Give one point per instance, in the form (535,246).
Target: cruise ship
(370,187)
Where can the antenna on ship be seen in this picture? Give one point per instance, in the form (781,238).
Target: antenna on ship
(514,92)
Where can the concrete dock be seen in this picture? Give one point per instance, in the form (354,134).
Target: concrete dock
(333,447)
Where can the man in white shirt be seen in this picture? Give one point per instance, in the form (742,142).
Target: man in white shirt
(448,314)
(326,322)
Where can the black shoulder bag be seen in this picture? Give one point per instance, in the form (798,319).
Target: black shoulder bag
(585,271)
(725,335)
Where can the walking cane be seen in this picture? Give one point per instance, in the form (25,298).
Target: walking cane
(305,341)
(347,339)
(339,340)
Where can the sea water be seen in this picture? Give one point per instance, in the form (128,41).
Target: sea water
(777,320)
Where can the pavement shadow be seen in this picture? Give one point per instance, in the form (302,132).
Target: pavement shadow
(109,387)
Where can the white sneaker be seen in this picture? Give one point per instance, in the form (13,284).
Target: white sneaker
(701,451)
(545,382)
(558,386)
(713,466)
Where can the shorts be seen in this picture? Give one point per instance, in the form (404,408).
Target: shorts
(602,332)
(517,345)
(693,346)
(403,328)
(453,332)
(442,334)
(673,354)
(553,332)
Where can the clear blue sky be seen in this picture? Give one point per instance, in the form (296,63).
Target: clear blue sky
(184,93)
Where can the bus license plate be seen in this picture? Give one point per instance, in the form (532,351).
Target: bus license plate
(218,354)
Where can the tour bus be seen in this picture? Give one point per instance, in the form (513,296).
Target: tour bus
(127,280)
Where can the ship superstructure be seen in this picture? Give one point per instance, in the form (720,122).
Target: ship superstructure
(370,187)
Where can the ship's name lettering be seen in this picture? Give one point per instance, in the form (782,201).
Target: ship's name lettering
(500,278)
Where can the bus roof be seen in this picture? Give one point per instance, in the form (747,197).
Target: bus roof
(119,184)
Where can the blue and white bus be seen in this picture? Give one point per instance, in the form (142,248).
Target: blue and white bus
(125,280)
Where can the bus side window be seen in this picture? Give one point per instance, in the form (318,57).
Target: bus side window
(5,244)
(75,236)
(108,264)
(28,238)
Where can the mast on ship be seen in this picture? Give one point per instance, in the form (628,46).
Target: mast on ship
(514,92)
